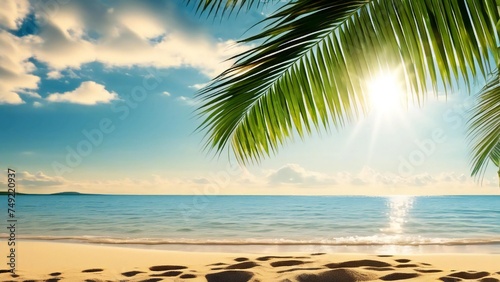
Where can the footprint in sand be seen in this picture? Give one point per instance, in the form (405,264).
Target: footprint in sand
(402,260)
(406,265)
(266,258)
(217,264)
(230,275)
(489,279)
(428,270)
(398,276)
(449,279)
(55,274)
(131,273)
(286,263)
(243,265)
(359,263)
(299,269)
(469,274)
(187,276)
(172,273)
(92,270)
(379,268)
(342,274)
(151,280)
(166,267)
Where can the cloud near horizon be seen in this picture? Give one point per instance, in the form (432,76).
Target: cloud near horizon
(288,178)
(39,179)
(295,175)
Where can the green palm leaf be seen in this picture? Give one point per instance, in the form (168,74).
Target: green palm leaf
(222,7)
(484,127)
(495,155)
(316,57)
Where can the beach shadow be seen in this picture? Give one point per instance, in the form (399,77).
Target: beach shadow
(229,276)
(131,273)
(166,267)
(92,270)
(399,276)
(167,274)
(187,276)
(243,265)
(359,263)
(469,274)
(428,270)
(286,263)
(266,258)
(341,275)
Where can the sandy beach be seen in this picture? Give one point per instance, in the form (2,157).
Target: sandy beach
(47,261)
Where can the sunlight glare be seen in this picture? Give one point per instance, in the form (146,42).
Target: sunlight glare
(399,207)
(385,93)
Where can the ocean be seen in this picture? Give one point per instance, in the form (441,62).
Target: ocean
(399,224)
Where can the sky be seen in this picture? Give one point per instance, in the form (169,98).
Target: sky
(98,97)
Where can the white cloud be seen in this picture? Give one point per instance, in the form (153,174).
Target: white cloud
(295,174)
(166,93)
(289,179)
(293,177)
(54,74)
(131,35)
(37,104)
(39,179)
(88,93)
(81,32)
(187,101)
(198,86)
(13,12)
(31,94)
(15,69)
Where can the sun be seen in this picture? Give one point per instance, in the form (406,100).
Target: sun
(385,93)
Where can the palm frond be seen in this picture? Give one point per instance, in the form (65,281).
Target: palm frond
(226,7)
(495,155)
(314,58)
(484,127)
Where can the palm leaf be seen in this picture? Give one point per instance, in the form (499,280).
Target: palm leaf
(226,7)
(484,127)
(495,155)
(313,58)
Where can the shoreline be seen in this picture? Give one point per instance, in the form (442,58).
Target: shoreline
(37,260)
(372,249)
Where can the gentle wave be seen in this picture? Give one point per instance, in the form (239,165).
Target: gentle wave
(342,241)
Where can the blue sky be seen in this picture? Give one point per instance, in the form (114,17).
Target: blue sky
(98,97)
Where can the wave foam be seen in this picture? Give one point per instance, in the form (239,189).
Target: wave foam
(341,241)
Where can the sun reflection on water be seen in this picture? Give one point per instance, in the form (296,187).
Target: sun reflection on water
(399,207)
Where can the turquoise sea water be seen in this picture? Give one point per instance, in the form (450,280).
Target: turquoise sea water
(265,223)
